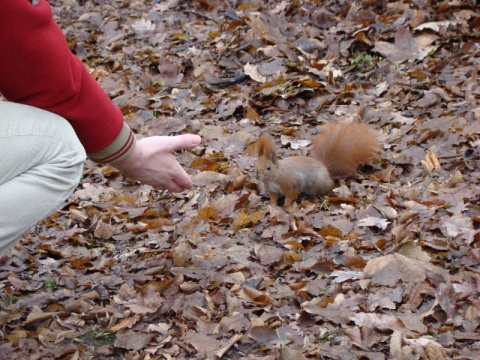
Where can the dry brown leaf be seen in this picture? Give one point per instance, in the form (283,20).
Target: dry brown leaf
(181,254)
(389,270)
(434,352)
(413,251)
(447,299)
(17,283)
(120,325)
(206,178)
(37,315)
(103,230)
(205,345)
(256,295)
(396,344)
(234,322)
(263,334)
(78,215)
(244,220)
(287,353)
(16,335)
(132,340)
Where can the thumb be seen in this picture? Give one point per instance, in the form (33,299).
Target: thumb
(185,141)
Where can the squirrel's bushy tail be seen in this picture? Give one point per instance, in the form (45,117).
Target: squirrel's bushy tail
(343,147)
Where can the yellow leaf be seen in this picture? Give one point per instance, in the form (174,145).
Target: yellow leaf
(244,220)
(178,36)
(207,213)
(122,324)
(204,165)
(292,257)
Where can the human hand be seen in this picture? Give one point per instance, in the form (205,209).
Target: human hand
(152,162)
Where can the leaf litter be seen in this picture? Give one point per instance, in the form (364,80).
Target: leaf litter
(386,267)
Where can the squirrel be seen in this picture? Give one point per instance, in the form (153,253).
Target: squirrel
(337,151)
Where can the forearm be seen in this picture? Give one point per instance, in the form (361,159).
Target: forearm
(37,68)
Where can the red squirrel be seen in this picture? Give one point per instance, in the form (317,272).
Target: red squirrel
(337,151)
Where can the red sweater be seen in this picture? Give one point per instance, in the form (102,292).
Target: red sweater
(37,68)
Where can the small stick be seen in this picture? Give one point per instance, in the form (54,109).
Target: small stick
(220,352)
(201,15)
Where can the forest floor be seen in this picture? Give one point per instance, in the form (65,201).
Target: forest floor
(384,267)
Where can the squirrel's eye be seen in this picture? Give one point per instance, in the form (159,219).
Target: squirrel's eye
(269,168)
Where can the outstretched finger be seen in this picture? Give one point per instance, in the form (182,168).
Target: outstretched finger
(185,141)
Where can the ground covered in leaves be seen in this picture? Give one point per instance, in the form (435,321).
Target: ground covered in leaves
(386,267)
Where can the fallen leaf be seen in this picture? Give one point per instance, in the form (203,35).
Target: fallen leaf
(132,340)
(252,71)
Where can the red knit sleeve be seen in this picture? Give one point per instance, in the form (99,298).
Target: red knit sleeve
(37,68)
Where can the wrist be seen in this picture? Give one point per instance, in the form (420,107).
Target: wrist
(118,150)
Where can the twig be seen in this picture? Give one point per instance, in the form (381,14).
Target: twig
(220,352)
(376,247)
(201,15)
(183,346)
(223,83)
(236,50)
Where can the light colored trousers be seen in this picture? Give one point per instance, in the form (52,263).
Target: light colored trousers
(41,162)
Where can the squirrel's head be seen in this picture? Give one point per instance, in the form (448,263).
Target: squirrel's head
(267,160)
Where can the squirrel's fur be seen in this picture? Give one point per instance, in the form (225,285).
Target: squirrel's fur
(337,151)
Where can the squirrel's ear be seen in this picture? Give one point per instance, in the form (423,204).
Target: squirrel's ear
(272,155)
(266,148)
(263,145)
